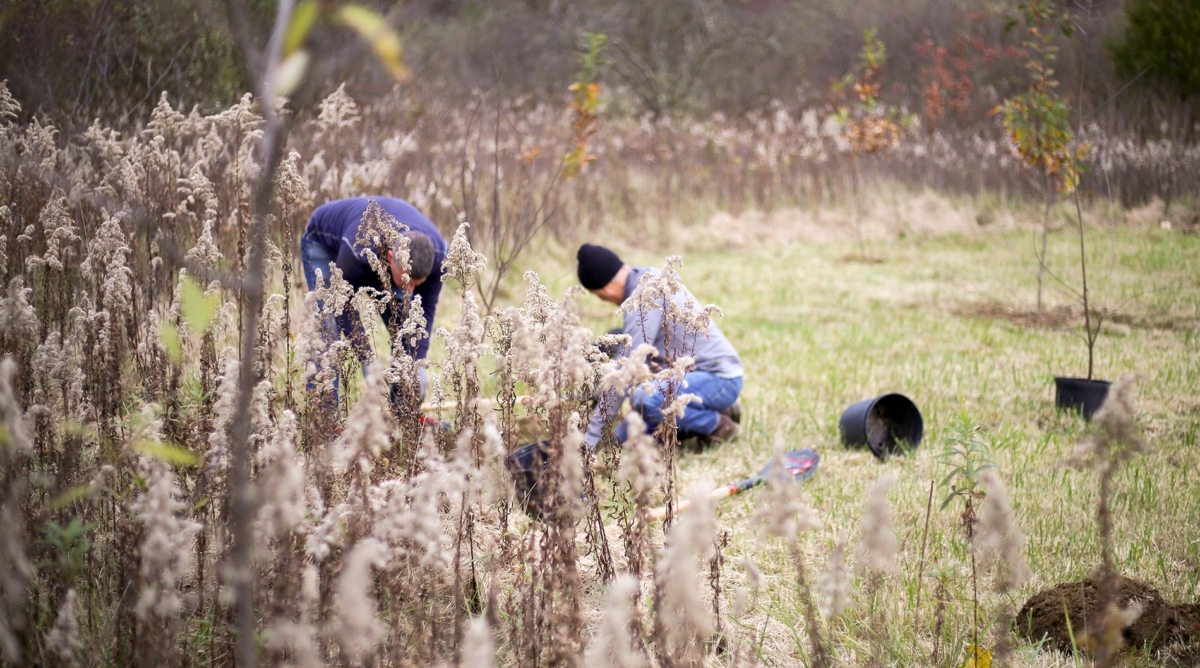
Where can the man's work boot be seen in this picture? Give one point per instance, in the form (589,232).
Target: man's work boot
(734,412)
(726,430)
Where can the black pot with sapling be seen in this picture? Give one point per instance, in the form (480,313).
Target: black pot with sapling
(1084,395)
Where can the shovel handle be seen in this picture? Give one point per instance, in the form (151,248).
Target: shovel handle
(449,405)
(716,495)
(801,465)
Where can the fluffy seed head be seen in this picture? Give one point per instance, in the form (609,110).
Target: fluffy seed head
(462,263)
(1114,437)
(337,111)
(63,640)
(785,511)
(834,588)
(684,616)
(17,441)
(18,319)
(998,539)
(612,646)
(877,542)
(166,550)
(367,432)
(478,649)
(641,465)
(298,638)
(357,629)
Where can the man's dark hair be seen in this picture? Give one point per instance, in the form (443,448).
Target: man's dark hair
(420,255)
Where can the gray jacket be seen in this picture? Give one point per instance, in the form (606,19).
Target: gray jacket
(712,352)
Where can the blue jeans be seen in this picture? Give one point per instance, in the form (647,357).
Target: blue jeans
(313,256)
(700,418)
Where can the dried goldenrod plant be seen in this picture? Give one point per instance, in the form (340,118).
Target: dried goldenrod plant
(1112,441)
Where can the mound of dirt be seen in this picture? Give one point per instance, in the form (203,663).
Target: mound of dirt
(1161,623)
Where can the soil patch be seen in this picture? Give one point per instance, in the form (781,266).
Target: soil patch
(860,258)
(1064,316)
(1165,322)
(1161,623)
(1057,317)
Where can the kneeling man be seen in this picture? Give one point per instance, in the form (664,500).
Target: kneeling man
(716,378)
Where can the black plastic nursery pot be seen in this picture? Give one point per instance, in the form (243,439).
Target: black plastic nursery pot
(1080,395)
(887,425)
(527,464)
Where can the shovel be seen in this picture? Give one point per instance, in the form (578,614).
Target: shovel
(800,464)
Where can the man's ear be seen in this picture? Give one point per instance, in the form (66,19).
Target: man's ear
(391,254)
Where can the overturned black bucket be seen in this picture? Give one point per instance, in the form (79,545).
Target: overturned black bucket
(528,464)
(888,424)
(1080,395)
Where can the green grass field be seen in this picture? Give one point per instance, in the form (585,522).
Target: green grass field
(948,320)
(944,320)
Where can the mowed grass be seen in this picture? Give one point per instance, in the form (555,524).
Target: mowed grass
(819,330)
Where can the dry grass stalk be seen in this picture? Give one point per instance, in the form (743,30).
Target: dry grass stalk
(613,645)
(786,513)
(877,553)
(998,539)
(835,588)
(63,639)
(682,622)
(1113,441)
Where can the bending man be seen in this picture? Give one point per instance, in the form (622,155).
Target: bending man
(331,237)
(716,378)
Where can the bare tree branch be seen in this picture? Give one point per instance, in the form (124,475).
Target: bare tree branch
(244,502)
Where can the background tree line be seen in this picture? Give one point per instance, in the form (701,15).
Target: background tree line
(1132,66)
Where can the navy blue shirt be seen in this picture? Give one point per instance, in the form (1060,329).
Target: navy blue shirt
(335,226)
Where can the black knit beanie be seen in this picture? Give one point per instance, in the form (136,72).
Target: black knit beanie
(597,266)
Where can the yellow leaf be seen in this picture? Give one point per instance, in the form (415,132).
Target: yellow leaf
(979,657)
(290,73)
(303,19)
(376,31)
(73,428)
(167,452)
(171,342)
(387,48)
(365,21)
(70,496)
(198,308)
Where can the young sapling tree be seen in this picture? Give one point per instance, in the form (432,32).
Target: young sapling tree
(967,456)
(1036,120)
(1039,129)
(869,125)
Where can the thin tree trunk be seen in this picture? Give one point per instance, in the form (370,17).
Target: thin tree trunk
(1089,335)
(244,503)
(1041,252)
